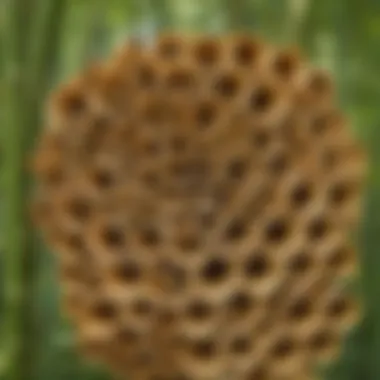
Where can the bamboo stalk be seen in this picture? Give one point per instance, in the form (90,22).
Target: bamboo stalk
(27,83)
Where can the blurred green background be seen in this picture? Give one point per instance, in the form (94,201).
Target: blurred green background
(43,42)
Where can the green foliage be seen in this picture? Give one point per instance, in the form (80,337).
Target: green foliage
(43,42)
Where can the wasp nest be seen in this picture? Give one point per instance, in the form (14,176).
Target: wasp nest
(200,193)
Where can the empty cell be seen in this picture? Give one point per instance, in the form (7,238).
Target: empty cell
(301,194)
(127,335)
(240,304)
(277,230)
(246,51)
(147,76)
(343,310)
(241,345)
(170,46)
(324,343)
(236,230)
(227,85)
(300,263)
(341,260)
(127,271)
(113,236)
(278,162)
(207,52)
(215,270)
(263,99)
(189,242)
(340,193)
(199,310)
(300,309)
(205,349)
(150,236)
(71,101)
(206,114)
(260,138)
(180,79)
(103,178)
(143,307)
(104,310)
(283,348)
(259,373)
(318,228)
(79,208)
(285,64)
(257,265)
(237,168)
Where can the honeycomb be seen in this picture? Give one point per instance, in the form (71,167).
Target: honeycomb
(201,193)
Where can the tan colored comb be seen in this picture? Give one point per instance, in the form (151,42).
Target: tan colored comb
(200,194)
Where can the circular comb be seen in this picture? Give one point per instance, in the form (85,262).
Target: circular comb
(201,193)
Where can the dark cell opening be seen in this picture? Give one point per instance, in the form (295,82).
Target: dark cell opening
(128,272)
(113,237)
(300,310)
(301,195)
(277,231)
(80,209)
(338,307)
(235,230)
(246,53)
(150,237)
(199,310)
(262,99)
(215,270)
(240,303)
(206,115)
(103,179)
(338,258)
(127,335)
(260,139)
(146,77)
(240,345)
(170,48)
(300,263)
(317,229)
(189,243)
(105,310)
(285,65)
(258,373)
(339,194)
(319,125)
(283,348)
(75,104)
(278,163)
(143,307)
(256,266)
(237,168)
(321,340)
(180,80)
(227,86)
(207,53)
(204,349)
(54,176)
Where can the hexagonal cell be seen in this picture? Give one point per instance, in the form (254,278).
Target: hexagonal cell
(207,52)
(170,46)
(323,343)
(342,310)
(285,64)
(245,51)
